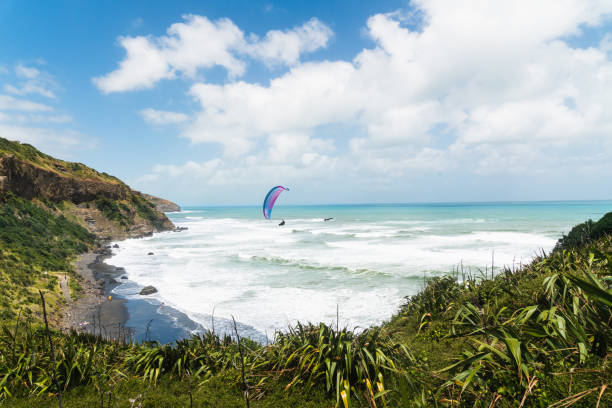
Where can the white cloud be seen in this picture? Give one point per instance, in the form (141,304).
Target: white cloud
(7,102)
(36,123)
(57,142)
(26,72)
(201,43)
(286,47)
(237,113)
(50,118)
(29,87)
(142,68)
(488,73)
(32,81)
(159,117)
(479,88)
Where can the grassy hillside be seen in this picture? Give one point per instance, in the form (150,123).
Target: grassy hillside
(536,336)
(101,203)
(29,154)
(50,211)
(37,244)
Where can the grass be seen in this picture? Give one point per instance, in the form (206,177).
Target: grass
(35,245)
(533,336)
(31,155)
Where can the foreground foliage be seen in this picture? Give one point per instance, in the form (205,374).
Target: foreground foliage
(539,335)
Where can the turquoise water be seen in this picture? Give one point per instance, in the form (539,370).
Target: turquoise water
(365,260)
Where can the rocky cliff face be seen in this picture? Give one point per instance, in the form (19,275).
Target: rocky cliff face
(29,181)
(103,204)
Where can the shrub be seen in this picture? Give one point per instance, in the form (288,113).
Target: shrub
(584,233)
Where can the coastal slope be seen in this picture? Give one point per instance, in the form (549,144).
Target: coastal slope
(52,210)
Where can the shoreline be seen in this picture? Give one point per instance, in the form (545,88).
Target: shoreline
(93,312)
(120,318)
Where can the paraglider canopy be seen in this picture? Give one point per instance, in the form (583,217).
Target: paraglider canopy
(271,199)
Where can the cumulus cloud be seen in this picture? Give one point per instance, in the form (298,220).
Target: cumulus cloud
(487,73)
(201,43)
(159,117)
(477,87)
(286,47)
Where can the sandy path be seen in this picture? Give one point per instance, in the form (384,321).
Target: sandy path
(63,282)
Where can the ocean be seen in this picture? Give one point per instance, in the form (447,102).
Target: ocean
(359,266)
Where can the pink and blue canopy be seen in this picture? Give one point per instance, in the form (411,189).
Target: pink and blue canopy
(271,199)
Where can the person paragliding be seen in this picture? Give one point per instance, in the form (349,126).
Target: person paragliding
(281,223)
(270,199)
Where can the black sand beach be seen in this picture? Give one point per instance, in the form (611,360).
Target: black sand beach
(98,310)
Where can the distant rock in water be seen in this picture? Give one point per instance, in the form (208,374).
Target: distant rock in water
(162,204)
(148,290)
(150,253)
(116,246)
(124,277)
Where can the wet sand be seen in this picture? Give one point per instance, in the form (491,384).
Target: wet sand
(139,319)
(93,312)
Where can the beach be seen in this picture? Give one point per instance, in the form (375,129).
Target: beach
(138,319)
(92,311)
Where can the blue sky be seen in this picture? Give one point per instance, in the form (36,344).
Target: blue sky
(388,101)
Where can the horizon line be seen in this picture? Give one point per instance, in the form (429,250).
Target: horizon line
(413,203)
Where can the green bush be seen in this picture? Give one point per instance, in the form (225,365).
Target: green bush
(113,210)
(583,234)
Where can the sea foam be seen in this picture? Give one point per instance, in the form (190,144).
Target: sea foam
(364,262)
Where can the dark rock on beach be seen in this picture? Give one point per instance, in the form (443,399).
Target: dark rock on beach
(148,290)
(105,252)
(116,246)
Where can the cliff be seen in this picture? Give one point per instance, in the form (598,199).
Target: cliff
(101,203)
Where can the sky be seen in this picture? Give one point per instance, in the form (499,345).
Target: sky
(213,103)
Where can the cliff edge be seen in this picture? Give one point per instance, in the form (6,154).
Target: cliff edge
(161,204)
(101,203)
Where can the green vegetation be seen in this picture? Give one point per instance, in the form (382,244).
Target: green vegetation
(124,213)
(30,154)
(58,185)
(146,210)
(34,240)
(586,232)
(113,210)
(535,336)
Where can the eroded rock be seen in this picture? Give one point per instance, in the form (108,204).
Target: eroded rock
(148,290)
